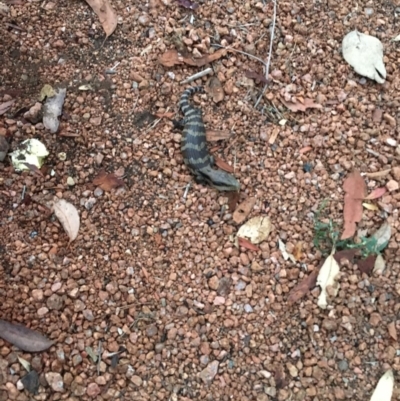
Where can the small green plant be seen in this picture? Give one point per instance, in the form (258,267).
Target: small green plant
(327,234)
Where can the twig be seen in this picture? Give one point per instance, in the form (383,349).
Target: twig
(187,190)
(267,65)
(99,359)
(198,75)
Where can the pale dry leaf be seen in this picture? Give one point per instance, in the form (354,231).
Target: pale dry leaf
(24,363)
(378,174)
(396,39)
(370,206)
(384,388)
(23,338)
(256,229)
(286,255)
(327,278)
(379,265)
(68,216)
(382,235)
(392,330)
(365,54)
(107,15)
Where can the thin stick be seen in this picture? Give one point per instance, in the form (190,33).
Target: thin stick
(267,65)
(198,75)
(186,190)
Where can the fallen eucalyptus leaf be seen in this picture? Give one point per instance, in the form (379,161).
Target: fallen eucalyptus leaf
(68,216)
(23,338)
(365,54)
(379,265)
(384,388)
(327,277)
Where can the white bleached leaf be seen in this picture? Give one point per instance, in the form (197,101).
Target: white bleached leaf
(365,54)
(256,229)
(327,277)
(379,265)
(286,255)
(384,388)
(68,216)
(24,363)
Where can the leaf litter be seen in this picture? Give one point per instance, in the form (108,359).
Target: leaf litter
(68,216)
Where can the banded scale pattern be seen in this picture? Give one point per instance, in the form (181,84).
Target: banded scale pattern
(194,147)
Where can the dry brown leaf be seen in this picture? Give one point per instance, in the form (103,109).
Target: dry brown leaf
(223,165)
(304,150)
(355,191)
(243,210)
(107,182)
(215,89)
(301,105)
(4,107)
(392,330)
(26,339)
(303,287)
(233,199)
(107,15)
(298,251)
(256,76)
(367,265)
(172,57)
(214,136)
(376,193)
(247,244)
(68,216)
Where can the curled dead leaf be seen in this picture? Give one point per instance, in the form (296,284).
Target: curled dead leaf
(303,287)
(107,182)
(68,216)
(107,15)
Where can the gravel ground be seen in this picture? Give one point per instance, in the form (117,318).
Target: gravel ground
(154,279)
